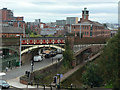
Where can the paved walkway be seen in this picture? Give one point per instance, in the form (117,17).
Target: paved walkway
(15,83)
(70,72)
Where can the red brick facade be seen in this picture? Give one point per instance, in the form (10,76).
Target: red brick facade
(8,18)
(89,28)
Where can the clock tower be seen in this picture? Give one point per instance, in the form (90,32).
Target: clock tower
(85,14)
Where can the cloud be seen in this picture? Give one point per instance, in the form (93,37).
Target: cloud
(60,9)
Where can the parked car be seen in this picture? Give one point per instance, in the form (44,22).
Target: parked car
(4,84)
(38,58)
(53,53)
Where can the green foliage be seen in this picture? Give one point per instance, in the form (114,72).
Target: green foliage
(108,86)
(110,63)
(35,33)
(91,76)
(60,36)
(38,35)
(28,31)
(49,36)
(69,34)
(32,35)
(105,25)
(68,55)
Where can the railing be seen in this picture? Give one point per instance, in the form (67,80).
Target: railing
(53,87)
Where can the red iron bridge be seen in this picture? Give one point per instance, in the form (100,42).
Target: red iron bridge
(43,40)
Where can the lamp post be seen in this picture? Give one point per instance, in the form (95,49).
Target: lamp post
(20,47)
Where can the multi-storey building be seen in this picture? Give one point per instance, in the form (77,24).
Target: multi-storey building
(35,26)
(88,28)
(71,20)
(8,18)
(10,31)
(60,22)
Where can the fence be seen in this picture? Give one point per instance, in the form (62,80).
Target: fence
(55,87)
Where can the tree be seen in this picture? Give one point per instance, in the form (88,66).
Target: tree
(91,76)
(27,31)
(32,35)
(35,33)
(68,55)
(105,25)
(50,35)
(60,36)
(110,61)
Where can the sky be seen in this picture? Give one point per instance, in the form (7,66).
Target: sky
(103,11)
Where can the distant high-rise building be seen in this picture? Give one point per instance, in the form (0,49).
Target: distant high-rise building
(38,20)
(61,22)
(72,20)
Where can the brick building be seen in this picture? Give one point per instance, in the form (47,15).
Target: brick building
(35,26)
(10,31)
(8,18)
(88,28)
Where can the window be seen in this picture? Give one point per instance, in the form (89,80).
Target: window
(83,33)
(90,33)
(83,27)
(87,33)
(74,27)
(87,27)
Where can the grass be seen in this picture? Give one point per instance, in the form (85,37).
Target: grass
(49,77)
(46,77)
(75,78)
(109,86)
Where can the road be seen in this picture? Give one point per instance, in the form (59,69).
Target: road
(16,72)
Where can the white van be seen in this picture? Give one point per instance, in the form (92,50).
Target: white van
(38,58)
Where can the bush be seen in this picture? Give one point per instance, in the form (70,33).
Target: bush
(91,76)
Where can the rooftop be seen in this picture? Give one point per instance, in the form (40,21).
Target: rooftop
(10,29)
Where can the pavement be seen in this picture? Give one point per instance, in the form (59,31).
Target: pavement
(12,76)
(15,83)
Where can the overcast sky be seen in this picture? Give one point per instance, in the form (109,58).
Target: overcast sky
(104,11)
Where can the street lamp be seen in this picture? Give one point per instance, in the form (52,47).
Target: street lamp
(20,47)
(32,65)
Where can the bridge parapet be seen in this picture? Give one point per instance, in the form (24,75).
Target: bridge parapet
(39,41)
(79,47)
(94,47)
